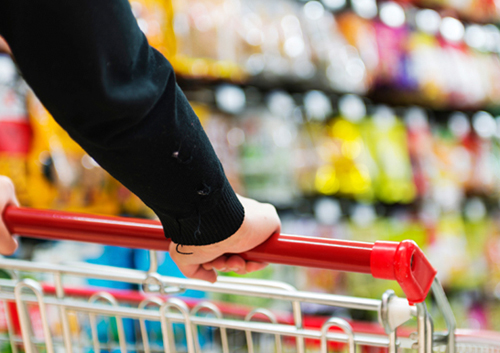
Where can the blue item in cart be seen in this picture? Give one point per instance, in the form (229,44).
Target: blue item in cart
(113,256)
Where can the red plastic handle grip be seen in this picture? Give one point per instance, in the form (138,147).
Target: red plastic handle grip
(403,261)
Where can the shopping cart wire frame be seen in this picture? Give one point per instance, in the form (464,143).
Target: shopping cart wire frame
(403,262)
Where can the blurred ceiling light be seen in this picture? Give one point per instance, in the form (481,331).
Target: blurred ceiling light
(282,136)
(365,8)
(352,107)
(255,64)
(475,209)
(459,124)
(356,70)
(392,14)
(334,4)
(416,118)
(484,124)
(280,103)
(428,21)
(314,10)
(475,37)
(384,118)
(230,98)
(290,24)
(492,38)
(452,29)
(363,215)
(304,68)
(318,106)
(254,37)
(327,211)
(294,46)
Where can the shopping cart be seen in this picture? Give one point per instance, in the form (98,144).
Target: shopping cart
(42,313)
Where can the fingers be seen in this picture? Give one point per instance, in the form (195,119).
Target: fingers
(198,272)
(8,244)
(253,266)
(205,275)
(234,263)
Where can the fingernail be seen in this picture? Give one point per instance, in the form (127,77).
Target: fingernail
(224,269)
(234,269)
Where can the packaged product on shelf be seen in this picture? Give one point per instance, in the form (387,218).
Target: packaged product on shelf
(205,33)
(311,136)
(393,63)
(463,82)
(385,137)
(226,138)
(62,175)
(15,129)
(154,18)
(450,73)
(479,145)
(465,157)
(344,171)
(361,37)
(456,252)
(414,56)
(472,10)
(453,162)
(492,257)
(340,63)
(426,67)
(478,230)
(268,152)
(272,39)
(420,148)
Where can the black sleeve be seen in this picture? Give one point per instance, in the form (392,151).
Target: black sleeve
(93,69)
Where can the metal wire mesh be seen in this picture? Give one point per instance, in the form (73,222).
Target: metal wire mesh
(47,316)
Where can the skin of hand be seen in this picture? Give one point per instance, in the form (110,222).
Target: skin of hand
(7,197)
(201,262)
(4,47)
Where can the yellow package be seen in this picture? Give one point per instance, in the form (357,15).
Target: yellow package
(61,174)
(386,138)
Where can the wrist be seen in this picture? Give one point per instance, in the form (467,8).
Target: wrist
(208,227)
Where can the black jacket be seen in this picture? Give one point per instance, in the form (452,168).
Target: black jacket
(93,69)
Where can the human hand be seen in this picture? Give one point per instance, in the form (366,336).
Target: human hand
(7,197)
(200,262)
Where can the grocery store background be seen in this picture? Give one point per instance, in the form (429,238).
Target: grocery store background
(358,120)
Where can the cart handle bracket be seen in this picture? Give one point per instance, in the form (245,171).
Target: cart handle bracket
(406,263)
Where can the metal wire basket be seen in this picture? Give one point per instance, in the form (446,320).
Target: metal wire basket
(42,313)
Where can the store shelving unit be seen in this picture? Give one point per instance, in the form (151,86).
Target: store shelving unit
(302,98)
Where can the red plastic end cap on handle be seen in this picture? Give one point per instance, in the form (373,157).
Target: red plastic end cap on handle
(405,263)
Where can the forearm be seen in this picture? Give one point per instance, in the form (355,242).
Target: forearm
(91,66)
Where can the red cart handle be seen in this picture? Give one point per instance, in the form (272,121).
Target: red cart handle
(403,262)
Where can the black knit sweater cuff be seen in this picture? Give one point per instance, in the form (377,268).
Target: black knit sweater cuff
(209,227)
